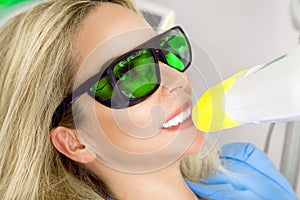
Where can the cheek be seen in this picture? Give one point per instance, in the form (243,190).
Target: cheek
(142,121)
(134,130)
(137,116)
(146,120)
(147,114)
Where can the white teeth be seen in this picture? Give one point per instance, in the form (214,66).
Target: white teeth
(178,119)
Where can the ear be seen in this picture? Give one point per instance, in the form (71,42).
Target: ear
(66,141)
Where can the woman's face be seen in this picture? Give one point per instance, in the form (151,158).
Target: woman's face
(112,30)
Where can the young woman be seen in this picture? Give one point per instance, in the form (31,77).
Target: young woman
(95,105)
(42,50)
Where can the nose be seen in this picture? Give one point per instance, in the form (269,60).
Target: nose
(173,80)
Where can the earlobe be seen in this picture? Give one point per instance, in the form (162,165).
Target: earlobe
(66,141)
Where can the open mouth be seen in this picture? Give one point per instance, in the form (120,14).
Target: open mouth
(178,119)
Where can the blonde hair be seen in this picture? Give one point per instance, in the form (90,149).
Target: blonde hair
(37,57)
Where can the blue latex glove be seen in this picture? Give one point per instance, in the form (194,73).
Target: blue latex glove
(251,176)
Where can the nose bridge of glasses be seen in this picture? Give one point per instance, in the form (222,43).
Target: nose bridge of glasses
(160,56)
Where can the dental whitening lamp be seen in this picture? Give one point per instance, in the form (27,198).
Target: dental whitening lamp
(263,94)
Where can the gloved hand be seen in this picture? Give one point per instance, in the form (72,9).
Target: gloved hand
(249,175)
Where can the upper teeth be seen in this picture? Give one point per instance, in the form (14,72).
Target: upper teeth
(178,119)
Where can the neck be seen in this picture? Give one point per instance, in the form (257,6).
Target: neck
(166,183)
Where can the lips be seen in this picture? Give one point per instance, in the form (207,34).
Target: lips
(179,116)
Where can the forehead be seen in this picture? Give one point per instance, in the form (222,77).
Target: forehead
(106,21)
(107,32)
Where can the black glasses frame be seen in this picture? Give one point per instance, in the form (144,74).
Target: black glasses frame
(120,101)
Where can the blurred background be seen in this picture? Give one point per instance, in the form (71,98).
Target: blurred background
(235,35)
(238,35)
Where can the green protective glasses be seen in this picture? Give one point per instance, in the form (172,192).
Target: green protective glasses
(134,76)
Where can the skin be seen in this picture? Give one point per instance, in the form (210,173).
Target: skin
(166,183)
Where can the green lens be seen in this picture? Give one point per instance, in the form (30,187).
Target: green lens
(176,50)
(103,89)
(136,75)
(174,61)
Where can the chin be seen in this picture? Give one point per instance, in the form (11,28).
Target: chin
(196,145)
